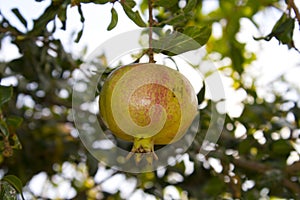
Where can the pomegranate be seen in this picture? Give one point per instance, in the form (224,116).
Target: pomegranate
(147,104)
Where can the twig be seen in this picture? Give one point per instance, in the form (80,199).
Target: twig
(151,22)
(292,5)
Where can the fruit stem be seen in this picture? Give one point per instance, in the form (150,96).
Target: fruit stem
(151,22)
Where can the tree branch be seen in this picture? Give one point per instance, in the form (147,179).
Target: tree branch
(250,165)
(261,168)
(151,22)
(294,187)
(294,168)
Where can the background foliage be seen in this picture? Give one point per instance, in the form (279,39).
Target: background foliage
(38,135)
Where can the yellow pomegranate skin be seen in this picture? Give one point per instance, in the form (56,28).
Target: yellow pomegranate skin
(147,104)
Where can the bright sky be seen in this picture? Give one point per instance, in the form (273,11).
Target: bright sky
(273,59)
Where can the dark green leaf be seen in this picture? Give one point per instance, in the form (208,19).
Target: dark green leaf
(62,16)
(95,1)
(134,16)
(114,19)
(282,31)
(281,147)
(101,1)
(215,186)
(245,145)
(79,34)
(15,182)
(14,121)
(6,93)
(191,4)
(4,128)
(177,20)
(82,19)
(7,192)
(165,3)
(130,3)
(201,94)
(199,34)
(237,56)
(41,23)
(19,16)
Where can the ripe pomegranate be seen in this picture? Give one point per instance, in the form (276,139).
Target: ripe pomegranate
(147,104)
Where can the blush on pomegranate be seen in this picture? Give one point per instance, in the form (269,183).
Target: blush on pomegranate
(147,104)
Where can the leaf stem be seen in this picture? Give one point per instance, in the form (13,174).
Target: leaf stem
(151,22)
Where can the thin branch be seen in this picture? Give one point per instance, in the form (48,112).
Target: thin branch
(250,165)
(151,22)
(292,5)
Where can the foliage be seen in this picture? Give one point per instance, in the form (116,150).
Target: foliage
(38,134)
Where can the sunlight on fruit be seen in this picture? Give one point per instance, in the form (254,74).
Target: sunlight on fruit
(147,104)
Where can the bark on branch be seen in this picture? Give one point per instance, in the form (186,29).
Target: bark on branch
(262,168)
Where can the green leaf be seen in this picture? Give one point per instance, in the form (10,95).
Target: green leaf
(174,43)
(19,16)
(130,3)
(15,182)
(165,3)
(41,23)
(95,1)
(4,128)
(201,94)
(114,19)
(100,1)
(282,31)
(281,147)
(7,192)
(82,19)
(134,16)
(177,20)
(214,186)
(6,93)
(62,16)
(191,4)
(199,34)
(79,34)
(14,121)
(236,55)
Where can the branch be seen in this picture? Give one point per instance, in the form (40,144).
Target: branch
(292,5)
(151,22)
(250,165)
(294,187)
(294,168)
(262,168)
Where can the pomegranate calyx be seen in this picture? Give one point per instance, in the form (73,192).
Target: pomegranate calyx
(141,147)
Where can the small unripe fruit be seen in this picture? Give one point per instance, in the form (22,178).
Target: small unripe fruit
(147,104)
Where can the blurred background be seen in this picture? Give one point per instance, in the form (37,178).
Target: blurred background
(254,47)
